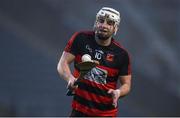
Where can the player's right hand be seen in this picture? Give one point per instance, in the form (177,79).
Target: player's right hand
(115,95)
(71,84)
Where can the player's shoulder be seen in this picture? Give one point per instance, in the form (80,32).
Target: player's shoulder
(81,36)
(84,33)
(118,47)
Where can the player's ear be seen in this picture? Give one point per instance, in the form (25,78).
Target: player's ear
(94,27)
(115,30)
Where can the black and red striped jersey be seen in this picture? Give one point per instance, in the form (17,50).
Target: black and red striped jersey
(91,96)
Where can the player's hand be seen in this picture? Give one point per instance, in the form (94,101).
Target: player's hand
(96,62)
(115,95)
(71,84)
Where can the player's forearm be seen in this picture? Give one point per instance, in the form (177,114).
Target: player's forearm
(124,90)
(64,70)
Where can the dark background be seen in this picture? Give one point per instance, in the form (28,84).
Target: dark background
(33,34)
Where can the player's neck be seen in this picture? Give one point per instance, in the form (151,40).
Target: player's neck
(106,42)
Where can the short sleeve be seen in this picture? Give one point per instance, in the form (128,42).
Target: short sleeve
(72,45)
(125,68)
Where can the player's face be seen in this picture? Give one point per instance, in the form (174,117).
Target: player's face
(104,28)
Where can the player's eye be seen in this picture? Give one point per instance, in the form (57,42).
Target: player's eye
(110,22)
(101,20)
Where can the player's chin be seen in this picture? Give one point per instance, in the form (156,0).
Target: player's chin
(103,36)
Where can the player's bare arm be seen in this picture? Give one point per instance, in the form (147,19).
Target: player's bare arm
(64,69)
(125,85)
(123,90)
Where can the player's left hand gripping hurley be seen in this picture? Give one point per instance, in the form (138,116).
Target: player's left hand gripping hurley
(84,67)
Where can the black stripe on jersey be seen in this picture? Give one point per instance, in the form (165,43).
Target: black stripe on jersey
(111,79)
(92,104)
(94,90)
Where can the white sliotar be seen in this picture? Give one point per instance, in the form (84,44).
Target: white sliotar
(86,57)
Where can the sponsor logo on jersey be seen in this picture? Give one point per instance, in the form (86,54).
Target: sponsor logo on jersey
(110,57)
(89,48)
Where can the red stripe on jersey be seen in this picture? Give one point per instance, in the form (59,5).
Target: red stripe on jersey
(111,85)
(68,46)
(78,58)
(92,111)
(93,97)
(76,73)
(111,71)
